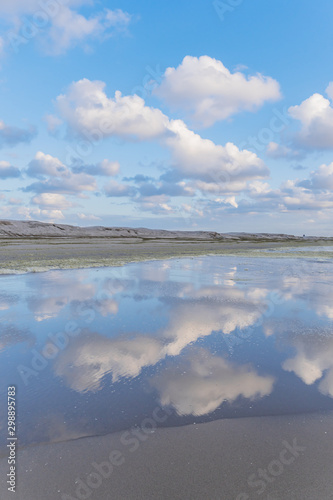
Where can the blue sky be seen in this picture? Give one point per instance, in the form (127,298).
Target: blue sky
(177,115)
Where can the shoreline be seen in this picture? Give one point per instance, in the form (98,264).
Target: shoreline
(20,256)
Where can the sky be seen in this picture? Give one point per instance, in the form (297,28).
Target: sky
(202,115)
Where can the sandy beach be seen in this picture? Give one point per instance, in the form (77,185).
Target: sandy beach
(166,250)
(237,459)
(158,339)
(28,246)
(34,255)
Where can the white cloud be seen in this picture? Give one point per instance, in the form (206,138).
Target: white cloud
(51,215)
(222,166)
(321,179)
(2,46)
(316,117)
(209,92)
(115,188)
(52,200)
(54,176)
(7,170)
(46,165)
(275,150)
(23,212)
(105,168)
(109,168)
(87,217)
(157,204)
(295,196)
(53,123)
(15,201)
(11,136)
(17,7)
(69,28)
(89,112)
(202,382)
(58,24)
(314,193)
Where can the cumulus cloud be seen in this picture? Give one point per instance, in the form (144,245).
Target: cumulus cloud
(275,150)
(69,28)
(157,204)
(82,216)
(105,168)
(225,167)
(56,177)
(31,213)
(89,112)
(75,184)
(295,197)
(160,187)
(52,200)
(320,179)
(7,170)
(202,382)
(314,193)
(115,188)
(44,165)
(316,117)
(59,25)
(11,136)
(209,92)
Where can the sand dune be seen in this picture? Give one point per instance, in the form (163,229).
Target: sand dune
(33,229)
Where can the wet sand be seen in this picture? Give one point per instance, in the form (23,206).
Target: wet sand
(220,460)
(40,254)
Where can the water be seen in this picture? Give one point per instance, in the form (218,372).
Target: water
(95,351)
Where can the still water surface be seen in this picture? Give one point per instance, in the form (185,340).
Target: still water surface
(95,351)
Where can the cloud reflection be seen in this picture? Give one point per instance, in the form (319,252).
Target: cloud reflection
(201,382)
(89,358)
(313,361)
(92,356)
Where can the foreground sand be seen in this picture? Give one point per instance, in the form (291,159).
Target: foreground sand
(40,254)
(213,461)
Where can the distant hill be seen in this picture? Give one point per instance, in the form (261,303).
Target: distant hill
(35,229)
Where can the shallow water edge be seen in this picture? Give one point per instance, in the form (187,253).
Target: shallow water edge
(19,256)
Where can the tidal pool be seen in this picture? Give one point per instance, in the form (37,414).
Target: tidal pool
(97,351)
